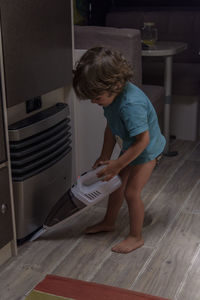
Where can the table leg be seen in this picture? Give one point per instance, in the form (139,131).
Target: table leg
(167,107)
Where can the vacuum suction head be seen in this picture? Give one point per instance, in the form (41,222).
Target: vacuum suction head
(89,190)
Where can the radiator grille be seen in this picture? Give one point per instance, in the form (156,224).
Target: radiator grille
(35,153)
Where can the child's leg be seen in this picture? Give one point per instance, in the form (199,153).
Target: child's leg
(138,177)
(114,203)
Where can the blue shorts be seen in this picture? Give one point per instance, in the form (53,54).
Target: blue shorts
(142,160)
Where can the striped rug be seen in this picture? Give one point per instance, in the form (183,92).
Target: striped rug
(58,288)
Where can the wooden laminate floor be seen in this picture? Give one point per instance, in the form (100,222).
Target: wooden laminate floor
(167,265)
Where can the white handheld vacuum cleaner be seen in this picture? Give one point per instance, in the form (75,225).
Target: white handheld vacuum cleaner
(88,191)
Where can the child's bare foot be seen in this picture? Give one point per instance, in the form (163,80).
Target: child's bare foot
(100,227)
(129,244)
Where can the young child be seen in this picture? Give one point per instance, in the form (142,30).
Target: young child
(103,75)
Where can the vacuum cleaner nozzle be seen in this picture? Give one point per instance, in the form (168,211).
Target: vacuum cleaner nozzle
(88,191)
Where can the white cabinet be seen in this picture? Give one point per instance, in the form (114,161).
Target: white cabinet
(89,124)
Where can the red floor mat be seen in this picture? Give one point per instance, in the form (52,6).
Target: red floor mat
(82,290)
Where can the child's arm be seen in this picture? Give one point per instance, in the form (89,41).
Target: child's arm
(141,142)
(108,146)
(115,166)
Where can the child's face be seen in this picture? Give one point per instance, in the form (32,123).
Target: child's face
(104,99)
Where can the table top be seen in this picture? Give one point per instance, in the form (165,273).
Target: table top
(164,49)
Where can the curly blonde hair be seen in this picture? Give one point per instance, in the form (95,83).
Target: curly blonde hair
(100,70)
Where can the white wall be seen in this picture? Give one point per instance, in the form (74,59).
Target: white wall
(185,123)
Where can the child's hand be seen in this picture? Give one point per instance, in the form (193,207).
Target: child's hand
(111,169)
(98,162)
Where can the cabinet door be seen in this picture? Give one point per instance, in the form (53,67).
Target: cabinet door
(37,47)
(6,229)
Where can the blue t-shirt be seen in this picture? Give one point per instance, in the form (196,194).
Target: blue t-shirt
(130,114)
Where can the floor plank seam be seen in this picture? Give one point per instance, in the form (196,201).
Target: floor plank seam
(195,212)
(117,240)
(92,275)
(195,148)
(192,212)
(27,292)
(56,265)
(181,209)
(183,282)
(148,247)
(67,253)
(164,185)
(144,268)
(178,213)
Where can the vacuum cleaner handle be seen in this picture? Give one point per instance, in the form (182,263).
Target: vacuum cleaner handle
(88,179)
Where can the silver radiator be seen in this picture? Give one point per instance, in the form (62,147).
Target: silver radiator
(41,161)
